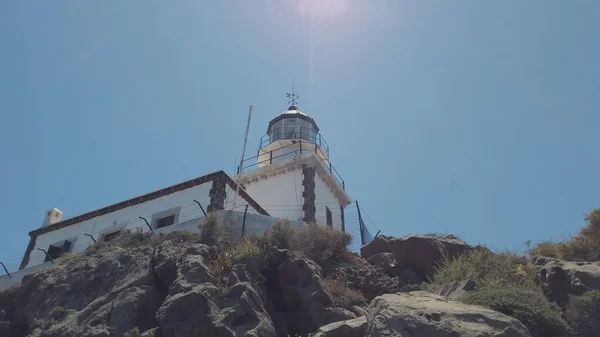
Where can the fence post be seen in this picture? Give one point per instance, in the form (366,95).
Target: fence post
(147,224)
(48,256)
(6,270)
(86,234)
(270,157)
(244,221)
(196,201)
(360,222)
(301,147)
(379,231)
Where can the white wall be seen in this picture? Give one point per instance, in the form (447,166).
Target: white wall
(240,203)
(325,198)
(126,218)
(280,195)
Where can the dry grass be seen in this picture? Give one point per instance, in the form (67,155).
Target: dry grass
(585,246)
(242,252)
(344,296)
(211,230)
(489,270)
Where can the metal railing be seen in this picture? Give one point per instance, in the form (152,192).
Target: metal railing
(300,150)
(295,133)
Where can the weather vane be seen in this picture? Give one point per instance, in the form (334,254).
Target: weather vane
(293,97)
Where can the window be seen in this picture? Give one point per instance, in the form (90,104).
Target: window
(165,221)
(329,217)
(110,236)
(58,249)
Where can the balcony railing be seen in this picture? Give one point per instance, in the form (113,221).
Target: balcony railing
(295,133)
(293,148)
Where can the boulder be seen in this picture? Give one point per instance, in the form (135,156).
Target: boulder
(422,314)
(350,328)
(420,253)
(387,262)
(370,279)
(307,302)
(563,279)
(453,290)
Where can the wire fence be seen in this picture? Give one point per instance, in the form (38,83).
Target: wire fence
(190,215)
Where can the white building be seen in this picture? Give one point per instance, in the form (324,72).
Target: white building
(291,177)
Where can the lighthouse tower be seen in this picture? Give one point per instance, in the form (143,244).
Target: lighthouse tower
(293,177)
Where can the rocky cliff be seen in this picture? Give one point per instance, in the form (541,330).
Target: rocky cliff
(176,285)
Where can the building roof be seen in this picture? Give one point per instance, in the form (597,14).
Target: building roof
(292,112)
(150,196)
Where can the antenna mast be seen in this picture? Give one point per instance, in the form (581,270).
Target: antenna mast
(237,190)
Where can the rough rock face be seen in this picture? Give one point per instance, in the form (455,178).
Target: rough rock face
(562,279)
(422,314)
(351,328)
(453,290)
(420,253)
(163,288)
(371,280)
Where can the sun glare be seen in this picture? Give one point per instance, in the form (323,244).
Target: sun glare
(328,8)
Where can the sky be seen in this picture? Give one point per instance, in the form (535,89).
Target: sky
(473,118)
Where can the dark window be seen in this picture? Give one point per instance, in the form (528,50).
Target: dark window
(329,217)
(56,250)
(166,221)
(110,236)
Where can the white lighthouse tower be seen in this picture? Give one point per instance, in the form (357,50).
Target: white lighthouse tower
(293,177)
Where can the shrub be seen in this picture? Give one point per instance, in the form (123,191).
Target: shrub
(322,244)
(541,317)
(57,312)
(279,235)
(242,252)
(585,246)
(211,230)
(343,296)
(488,269)
(134,332)
(583,313)
(68,258)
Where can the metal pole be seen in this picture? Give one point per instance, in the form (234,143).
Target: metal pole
(360,222)
(270,157)
(48,256)
(6,270)
(147,224)
(379,231)
(237,188)
(196,201)
(86,234)
(244,222)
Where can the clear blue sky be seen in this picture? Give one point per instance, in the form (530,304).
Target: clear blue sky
(477,118)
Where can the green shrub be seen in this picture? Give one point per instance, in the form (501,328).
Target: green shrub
(343,296)
(585,246)
(488,269)
(134,332)
(57,312)
(583,313)
(541,317)
(211,230)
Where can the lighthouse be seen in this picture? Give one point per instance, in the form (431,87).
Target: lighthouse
(292,175)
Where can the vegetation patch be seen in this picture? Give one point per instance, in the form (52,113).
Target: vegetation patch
(583,313)
(344,296)
(488,270)
(242,252)
(211,230)
(541,317)
(134,332)
(585,246)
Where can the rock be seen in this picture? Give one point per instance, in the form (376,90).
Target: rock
(421,253)
(369,279)
(350,328)
(563,279)
(408,277)
(422,314)
(453,290)
(387,262)
(307,302)
(150,333)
